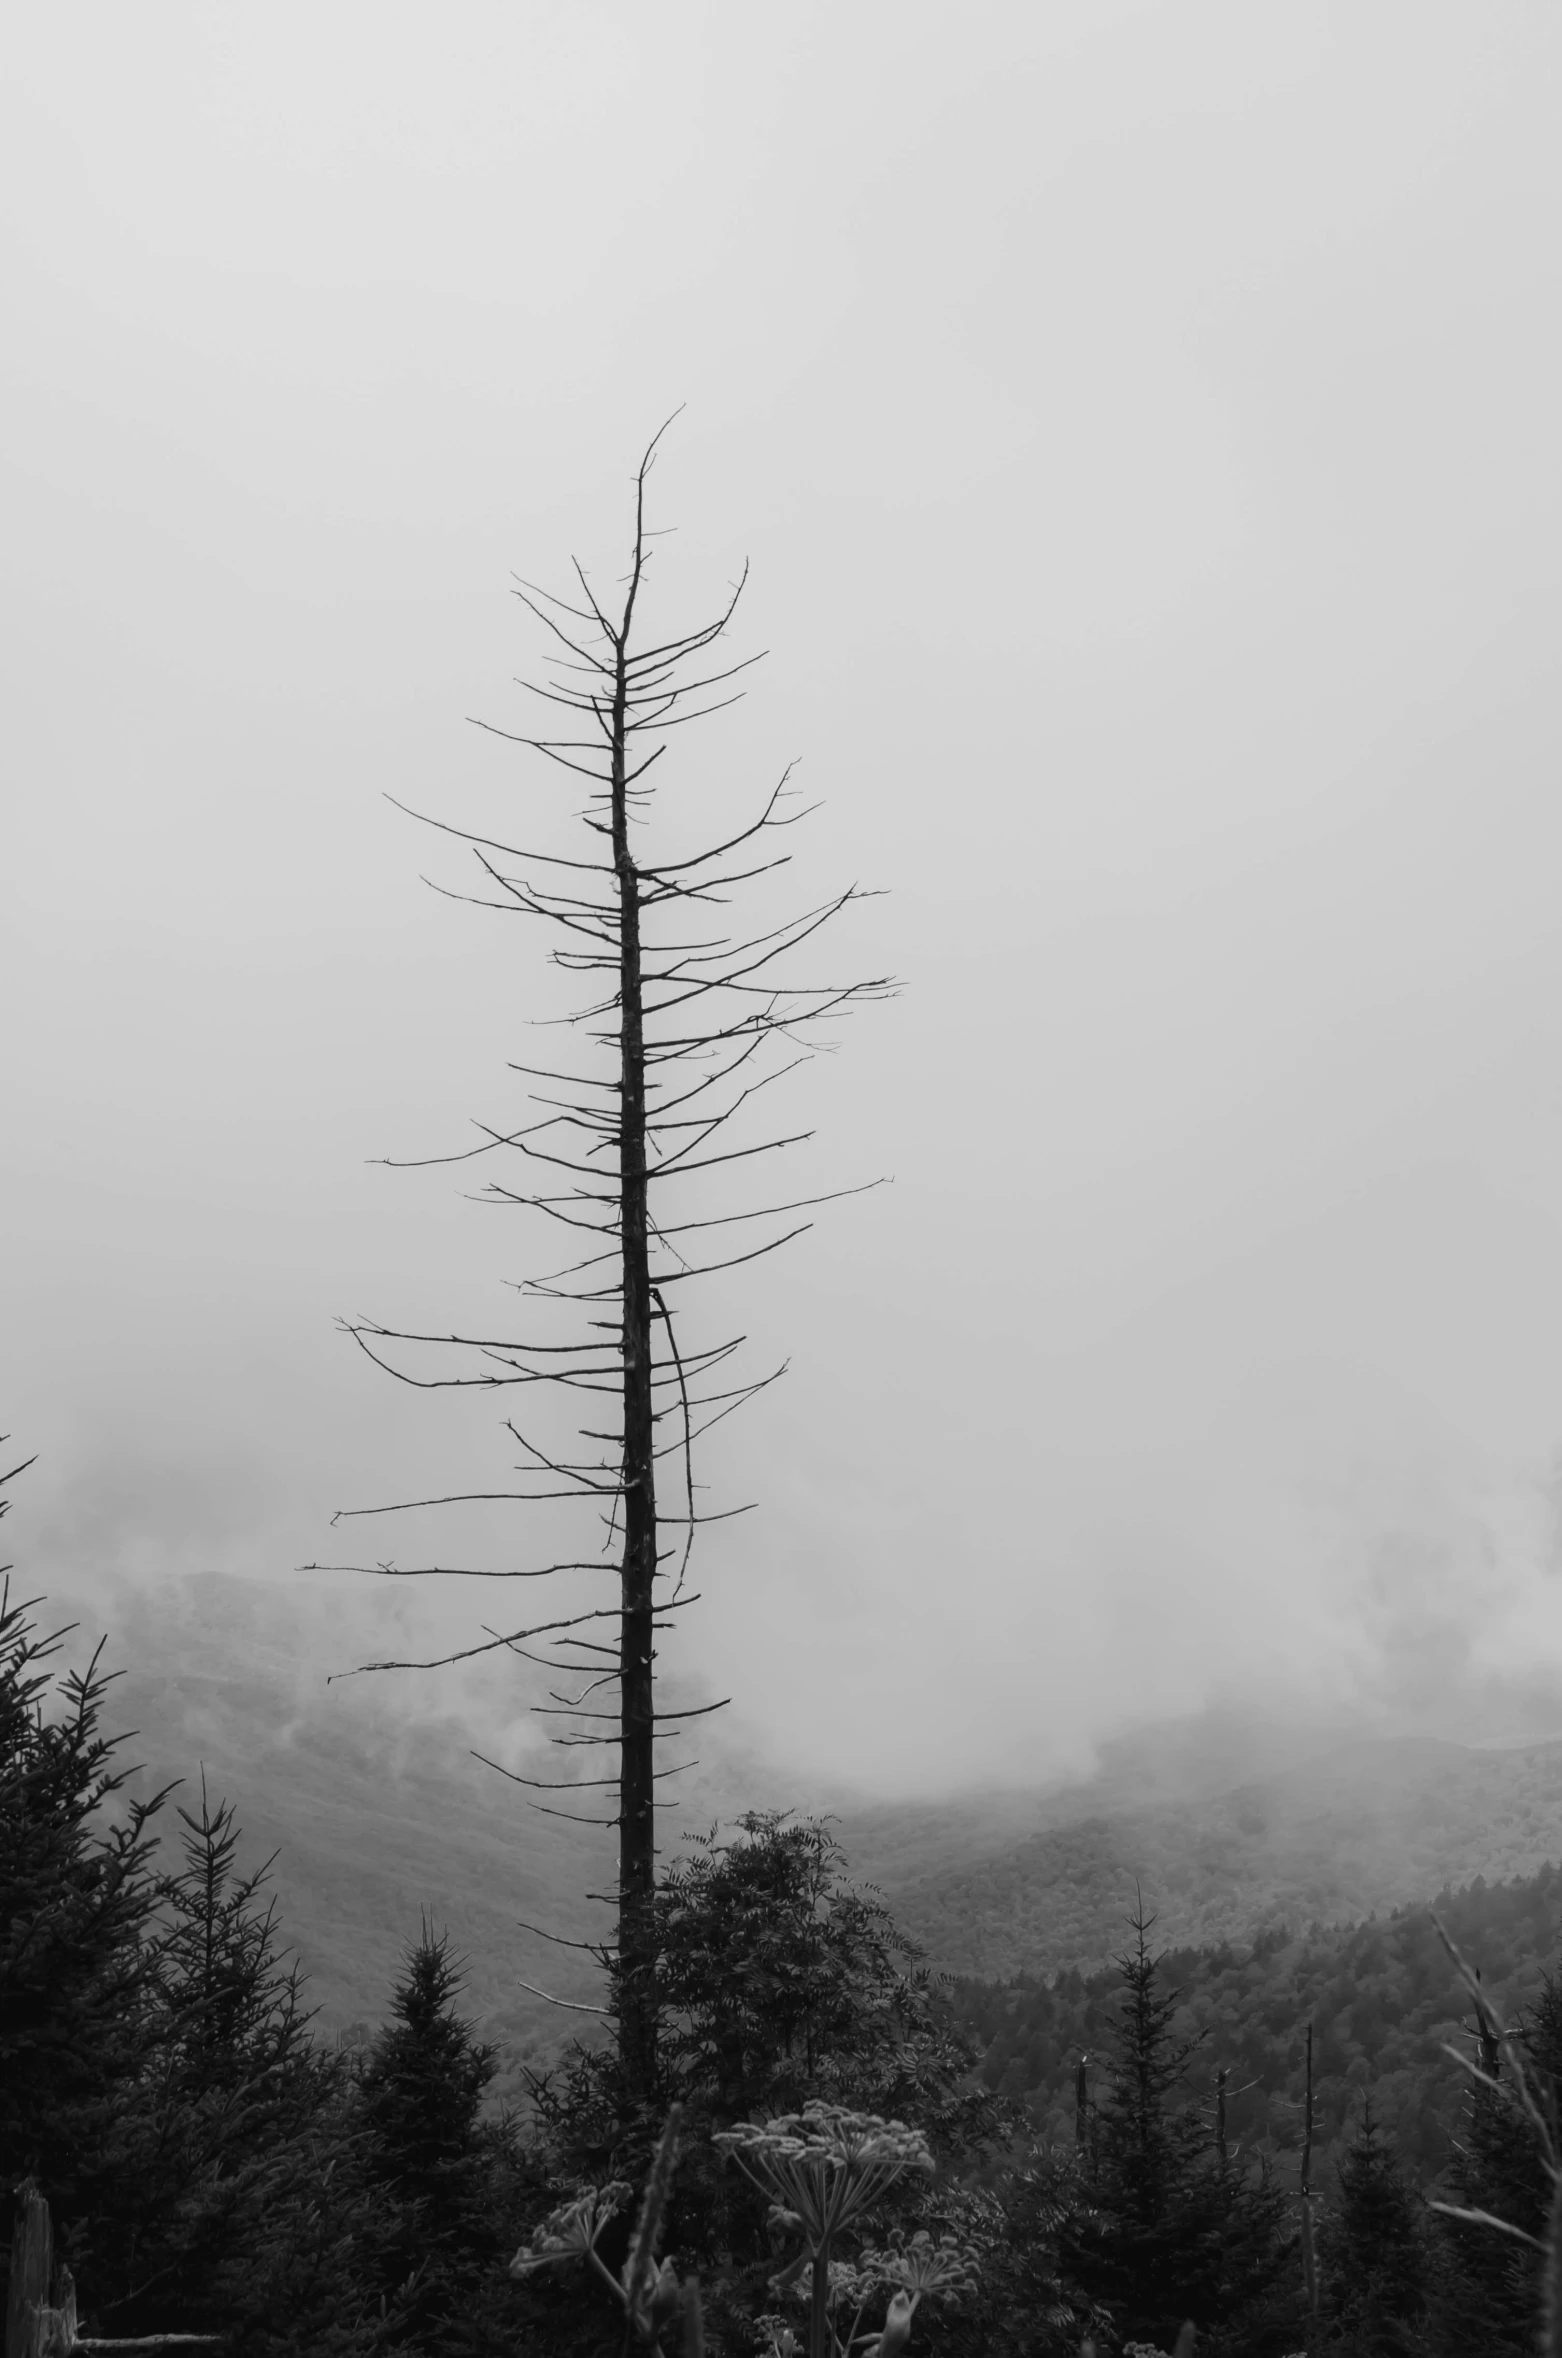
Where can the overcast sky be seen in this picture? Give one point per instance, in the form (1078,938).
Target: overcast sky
(1142,424)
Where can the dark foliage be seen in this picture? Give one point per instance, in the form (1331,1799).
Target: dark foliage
(1026,2304)
(780,1981)
(79,2015)
(1383,1996)
(448,2184)
(156,2076)
(1172,2230)
(811,1998)
(235,2010)
(1373,2258)
(817,1993)
(254,2213)
(212,2167)
(1487,2285)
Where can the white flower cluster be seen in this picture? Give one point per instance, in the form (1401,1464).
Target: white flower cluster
(831,2136)
(570,2232)
(824,2164)
(923,2266)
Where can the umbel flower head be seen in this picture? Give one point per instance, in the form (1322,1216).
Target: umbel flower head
(915,2267)
(923,2266)
(571,2231)
(650,2294)
(824,2165)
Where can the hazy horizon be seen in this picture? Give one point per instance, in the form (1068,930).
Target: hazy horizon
(1140,424)
(204,1634)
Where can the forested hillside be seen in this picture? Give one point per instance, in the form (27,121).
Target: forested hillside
(371,1792)
(1365,1828)
(1383,1998)
(376,2191)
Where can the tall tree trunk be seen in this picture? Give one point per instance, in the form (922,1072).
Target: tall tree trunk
(637,1726)
(725,1006)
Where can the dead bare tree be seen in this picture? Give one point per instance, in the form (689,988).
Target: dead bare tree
(692,1021)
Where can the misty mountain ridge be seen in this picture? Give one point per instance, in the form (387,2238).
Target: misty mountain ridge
(1357,1830)
(368,1791)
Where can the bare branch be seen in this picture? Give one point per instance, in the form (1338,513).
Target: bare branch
(570,2005)
(511,851)
(469,1653)
(453,1571)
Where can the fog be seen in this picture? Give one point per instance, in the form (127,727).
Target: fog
(1141,426)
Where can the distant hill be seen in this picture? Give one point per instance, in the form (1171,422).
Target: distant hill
(1362,1829)
(1383,1998)
(377,1816)
(368,1790)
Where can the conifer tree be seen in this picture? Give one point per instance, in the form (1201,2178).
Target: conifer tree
(1486,2285)
(77,1968)
(263,2225)
(155,2073)
(236,2007)
(1374,2254)
(1172,2231)
(420,2103)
